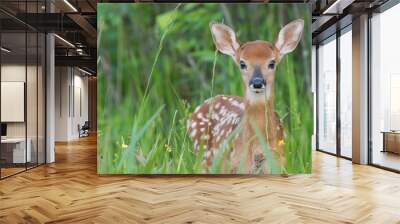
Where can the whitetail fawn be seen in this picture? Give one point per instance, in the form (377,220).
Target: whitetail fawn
(219,116)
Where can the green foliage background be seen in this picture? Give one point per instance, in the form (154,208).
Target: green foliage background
(155,65)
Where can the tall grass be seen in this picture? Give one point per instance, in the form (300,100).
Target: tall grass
(158,62)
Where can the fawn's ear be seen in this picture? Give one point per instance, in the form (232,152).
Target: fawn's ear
(224,38)
(289,36)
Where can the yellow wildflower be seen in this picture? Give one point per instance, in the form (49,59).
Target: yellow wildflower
(168,147)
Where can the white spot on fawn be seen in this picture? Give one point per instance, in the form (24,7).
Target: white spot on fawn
(205,137)
(200,116)
(193,133)
(202,129)
(238,104)
(218,138)
(215,116)
(193,125)
(208,154)
(222,133)
(224,111)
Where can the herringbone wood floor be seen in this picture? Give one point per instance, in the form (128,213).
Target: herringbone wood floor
(70,191)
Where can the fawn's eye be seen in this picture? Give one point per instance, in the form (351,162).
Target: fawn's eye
(271,65)
(242,64)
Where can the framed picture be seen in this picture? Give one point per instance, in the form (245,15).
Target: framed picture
(204,88)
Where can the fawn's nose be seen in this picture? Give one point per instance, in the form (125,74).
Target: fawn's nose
(257,83)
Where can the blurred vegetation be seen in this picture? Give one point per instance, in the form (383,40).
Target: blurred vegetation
(155,65)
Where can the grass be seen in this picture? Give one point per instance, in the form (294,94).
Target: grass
(157,63)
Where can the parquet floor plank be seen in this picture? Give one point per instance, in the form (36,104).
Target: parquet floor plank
(70,191)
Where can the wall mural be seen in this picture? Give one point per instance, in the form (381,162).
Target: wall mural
(204,88)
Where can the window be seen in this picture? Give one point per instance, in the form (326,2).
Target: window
(327,96)
(385,89)
(346,93)
(22,77)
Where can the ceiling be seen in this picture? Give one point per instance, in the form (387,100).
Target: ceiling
(331,15)
(15,42)
(75,22)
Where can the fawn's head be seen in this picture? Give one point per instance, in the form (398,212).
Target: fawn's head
(258,59)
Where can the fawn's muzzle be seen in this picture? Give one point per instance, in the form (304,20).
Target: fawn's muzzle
(257,82)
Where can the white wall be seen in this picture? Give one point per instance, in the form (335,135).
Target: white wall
(16,73)
(71,93)
(61,103)
(80,100)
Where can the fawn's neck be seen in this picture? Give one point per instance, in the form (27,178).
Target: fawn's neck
(260,115)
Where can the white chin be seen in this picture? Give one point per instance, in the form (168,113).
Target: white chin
(257,95)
